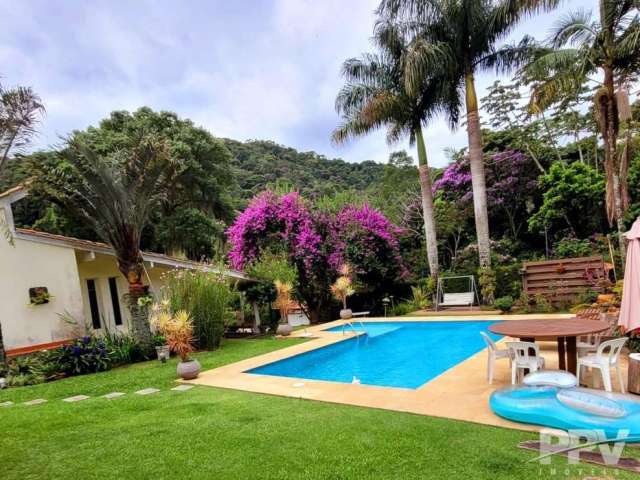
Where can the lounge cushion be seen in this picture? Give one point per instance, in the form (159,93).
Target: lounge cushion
(553,378)
(592,403)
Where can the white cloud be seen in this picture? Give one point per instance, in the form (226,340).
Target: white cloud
(242,69)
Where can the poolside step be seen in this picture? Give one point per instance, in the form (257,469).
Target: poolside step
(379,331)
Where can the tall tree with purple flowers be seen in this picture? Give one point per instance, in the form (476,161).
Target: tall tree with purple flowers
(512,186)
(317,243)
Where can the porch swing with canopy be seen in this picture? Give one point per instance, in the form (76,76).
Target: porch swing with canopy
(465,298)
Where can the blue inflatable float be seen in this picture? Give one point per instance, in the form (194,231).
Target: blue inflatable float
(569,408)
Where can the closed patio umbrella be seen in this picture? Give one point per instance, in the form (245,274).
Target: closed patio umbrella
(630,309)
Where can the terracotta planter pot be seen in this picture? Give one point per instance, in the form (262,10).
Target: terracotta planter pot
(188,370)
(346,314)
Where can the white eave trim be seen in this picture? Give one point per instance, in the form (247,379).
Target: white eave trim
(147,257)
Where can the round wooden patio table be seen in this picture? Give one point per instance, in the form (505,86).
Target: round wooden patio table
(565,332)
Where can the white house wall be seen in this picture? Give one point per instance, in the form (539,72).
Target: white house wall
(100,269)
(30,264)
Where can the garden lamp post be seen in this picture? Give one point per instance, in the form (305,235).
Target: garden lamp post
(386,301)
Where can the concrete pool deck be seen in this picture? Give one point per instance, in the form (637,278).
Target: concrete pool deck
(460,393)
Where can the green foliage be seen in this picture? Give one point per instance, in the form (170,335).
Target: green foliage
(189,231)
(542,304)
(572,247)
(504,304)
(207,297)
(269,268)
(633,344)
(573,200)
(401,309)
(83,355)
(421,299)
(122,348)
(487,282)
(26,370)
(588,297)
(257,164)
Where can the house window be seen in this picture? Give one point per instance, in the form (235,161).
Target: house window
(93,303)
(115,300)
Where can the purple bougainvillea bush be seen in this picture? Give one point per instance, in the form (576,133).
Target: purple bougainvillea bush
(272,221)
(318,243)
(512,185)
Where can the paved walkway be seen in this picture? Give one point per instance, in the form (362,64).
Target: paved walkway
(461,392)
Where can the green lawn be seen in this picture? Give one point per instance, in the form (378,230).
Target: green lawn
(217,434)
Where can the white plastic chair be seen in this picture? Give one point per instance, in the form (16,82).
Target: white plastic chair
(494,353)
(521,359)
(588,344)
(606,357)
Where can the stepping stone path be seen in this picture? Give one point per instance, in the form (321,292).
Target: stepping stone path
(76,398)
(109,396)
(147,391)
(112,395)
(182,388)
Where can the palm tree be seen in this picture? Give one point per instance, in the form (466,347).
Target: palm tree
(115,195)
(20,111)
(375,96)
(579,48)
(471,31)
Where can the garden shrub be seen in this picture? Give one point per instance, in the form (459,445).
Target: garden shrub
(264,294)
(508,281)
(570,247)
(207,297)
(633,344)
(542,304)
(504,304)
(123,348)
(28,370)
(83,355)
(487,281)
(421,299)
(401,309)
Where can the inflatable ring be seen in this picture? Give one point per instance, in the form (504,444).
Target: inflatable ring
(569,409)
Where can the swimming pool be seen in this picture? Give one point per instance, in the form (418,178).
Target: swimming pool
(392,354)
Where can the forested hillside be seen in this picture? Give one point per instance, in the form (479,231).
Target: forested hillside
(258,163)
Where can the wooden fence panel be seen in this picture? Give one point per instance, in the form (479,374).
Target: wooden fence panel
(564,279)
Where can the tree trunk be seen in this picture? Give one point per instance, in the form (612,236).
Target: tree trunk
(609,121)
(477,171)
(427,206)
(2,353)
(140,328)
(619,214)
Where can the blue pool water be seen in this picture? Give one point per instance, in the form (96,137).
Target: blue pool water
(393,354)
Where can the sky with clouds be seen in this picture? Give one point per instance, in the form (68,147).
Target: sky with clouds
(244,69)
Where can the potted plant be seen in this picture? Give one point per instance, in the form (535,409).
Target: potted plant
(283,303)
(162,348)
(179,335)
(343,288)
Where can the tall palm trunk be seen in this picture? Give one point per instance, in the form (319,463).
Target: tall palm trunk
(609,123)
(427,205)
(477,171)
(140,328)
(2,352)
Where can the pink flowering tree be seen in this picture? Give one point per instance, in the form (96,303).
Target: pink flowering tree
(317,244)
